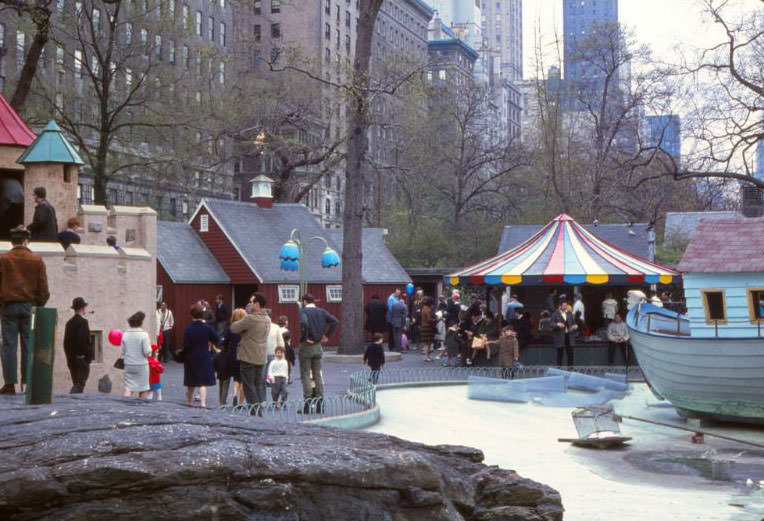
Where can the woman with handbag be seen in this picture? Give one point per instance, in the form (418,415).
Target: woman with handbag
(226,364)
(136,350)
(198,365)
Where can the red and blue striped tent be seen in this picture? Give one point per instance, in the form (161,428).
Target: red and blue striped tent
(564,252)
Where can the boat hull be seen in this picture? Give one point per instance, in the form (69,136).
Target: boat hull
(715,378)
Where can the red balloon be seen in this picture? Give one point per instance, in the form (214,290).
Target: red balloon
(115,337)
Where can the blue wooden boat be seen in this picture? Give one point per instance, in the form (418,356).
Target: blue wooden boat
(709,363)
(715,377)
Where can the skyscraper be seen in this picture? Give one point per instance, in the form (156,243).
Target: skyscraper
(665,132)
(578,17)
(502,24)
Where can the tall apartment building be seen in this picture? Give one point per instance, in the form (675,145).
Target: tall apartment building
(578,17)
(173,53)
(665,131)
(502,27)
(578,20)
(321,35)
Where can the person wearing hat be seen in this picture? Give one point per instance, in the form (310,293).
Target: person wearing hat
(562,321)
(23,284)
(77,346)
(44,227)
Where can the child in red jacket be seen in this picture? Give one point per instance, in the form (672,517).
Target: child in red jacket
(155,369)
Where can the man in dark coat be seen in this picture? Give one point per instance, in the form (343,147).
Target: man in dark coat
(221,316)
(376,315)
(452,309)
(44,227)
(77,346)
(398,315)
(562,328)
(23,284)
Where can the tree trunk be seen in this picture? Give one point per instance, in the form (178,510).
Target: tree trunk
(41,19)
(351,338)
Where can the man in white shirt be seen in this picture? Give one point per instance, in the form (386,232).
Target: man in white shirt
(165,324)
(578,306)
(609,309)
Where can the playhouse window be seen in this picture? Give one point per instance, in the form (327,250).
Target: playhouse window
(204,223)
(334,293)
(713,302)
(288,293)
(96,341)
(756,304)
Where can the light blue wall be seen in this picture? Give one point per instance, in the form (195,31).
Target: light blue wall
(736,300)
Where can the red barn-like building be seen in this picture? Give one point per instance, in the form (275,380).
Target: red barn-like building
(232,248)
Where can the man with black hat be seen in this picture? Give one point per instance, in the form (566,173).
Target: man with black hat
(23,284)
(44,227)
(77,347)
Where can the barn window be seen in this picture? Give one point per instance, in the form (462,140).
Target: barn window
(160,293)
(204,223)
(713,302)
(334,293)
(756,304)
(288,293)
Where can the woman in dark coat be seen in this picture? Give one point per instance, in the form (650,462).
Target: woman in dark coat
(198,366)
(427,328)
(226,364)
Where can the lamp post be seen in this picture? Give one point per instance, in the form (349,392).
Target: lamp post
(292,254)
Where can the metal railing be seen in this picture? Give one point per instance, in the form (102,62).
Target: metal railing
(656,323)
(361,394)
(363,398)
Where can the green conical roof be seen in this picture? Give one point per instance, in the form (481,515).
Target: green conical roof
(51,146)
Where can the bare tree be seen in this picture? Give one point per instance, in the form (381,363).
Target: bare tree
(39,13)
(351,339)
(122,92)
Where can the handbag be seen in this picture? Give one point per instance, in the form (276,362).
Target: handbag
(179,355)
(120,363)
(478,342)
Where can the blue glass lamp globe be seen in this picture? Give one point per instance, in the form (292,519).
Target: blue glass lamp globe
(330,258)
(290,251)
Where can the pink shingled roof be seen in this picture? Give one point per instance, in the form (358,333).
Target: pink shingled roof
(725,246)
(13,130)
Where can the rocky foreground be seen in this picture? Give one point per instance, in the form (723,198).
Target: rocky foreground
(100,458)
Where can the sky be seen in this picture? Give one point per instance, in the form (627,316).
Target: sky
(664,25)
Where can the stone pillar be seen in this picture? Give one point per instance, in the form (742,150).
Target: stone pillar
(60,181)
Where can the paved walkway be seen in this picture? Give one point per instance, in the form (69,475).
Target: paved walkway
(336,377)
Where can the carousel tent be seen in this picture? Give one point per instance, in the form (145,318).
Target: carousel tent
(564,252)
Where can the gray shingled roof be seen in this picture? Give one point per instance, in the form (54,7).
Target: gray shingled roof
(683,224)
(184,256)
(259,233)
(615,234)
(379,265)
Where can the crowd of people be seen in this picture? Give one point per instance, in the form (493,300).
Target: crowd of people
(463,334)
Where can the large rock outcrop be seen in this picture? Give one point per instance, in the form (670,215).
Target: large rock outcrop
(105,459)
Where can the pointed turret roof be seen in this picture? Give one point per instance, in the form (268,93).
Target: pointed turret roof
(13,130)
(51,147)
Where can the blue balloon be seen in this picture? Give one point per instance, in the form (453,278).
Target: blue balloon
(410,288)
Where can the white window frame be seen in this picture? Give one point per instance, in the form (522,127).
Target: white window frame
(333,297)
(286,291)
(204,223)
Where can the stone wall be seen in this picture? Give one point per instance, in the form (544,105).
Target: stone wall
(115,284)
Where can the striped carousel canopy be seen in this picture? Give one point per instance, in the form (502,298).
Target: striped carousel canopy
(564,252)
